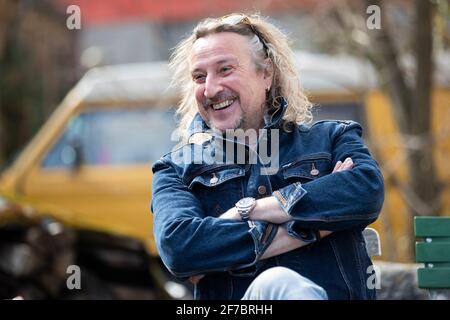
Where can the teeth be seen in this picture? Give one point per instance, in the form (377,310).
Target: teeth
(222,105)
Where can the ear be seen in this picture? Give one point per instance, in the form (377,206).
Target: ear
(268,70)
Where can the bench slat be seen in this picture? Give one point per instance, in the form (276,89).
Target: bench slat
(432,226)
(434,278)
(433,252)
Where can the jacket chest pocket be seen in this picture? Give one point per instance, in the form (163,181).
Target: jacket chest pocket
(307,168)
(218,190)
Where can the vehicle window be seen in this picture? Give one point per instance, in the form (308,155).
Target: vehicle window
(114,137)
(339,111)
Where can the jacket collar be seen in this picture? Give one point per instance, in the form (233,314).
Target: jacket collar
(275,119)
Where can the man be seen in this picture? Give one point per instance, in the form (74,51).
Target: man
(224,220)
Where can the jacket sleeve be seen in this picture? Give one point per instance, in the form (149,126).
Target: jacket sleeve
(349,199)
(189,241)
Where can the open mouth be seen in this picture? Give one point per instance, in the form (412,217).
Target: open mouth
(222,105)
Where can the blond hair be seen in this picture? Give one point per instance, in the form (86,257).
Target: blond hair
(265,40)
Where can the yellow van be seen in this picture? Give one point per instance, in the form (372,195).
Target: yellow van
(90,164)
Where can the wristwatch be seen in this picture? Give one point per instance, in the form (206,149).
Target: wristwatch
(245,206)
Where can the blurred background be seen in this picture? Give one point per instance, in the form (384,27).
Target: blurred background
(85,107)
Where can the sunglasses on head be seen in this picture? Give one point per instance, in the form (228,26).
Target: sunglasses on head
(236,19)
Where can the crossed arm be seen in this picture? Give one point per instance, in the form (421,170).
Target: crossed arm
(268,209)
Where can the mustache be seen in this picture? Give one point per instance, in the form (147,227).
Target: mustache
(218,98)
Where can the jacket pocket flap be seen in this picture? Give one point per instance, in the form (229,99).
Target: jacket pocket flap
(217,177)
(309,167)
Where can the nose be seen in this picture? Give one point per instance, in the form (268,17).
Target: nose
(212,87)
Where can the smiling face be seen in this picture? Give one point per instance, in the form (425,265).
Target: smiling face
(229,88)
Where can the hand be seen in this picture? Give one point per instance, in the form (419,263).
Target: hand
(342,166)
(231,213)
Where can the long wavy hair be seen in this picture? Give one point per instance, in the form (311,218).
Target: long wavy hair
(265,40)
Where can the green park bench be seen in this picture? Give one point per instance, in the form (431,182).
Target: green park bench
(434,251)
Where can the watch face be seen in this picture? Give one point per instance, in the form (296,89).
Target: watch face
(245,202)
(244,206)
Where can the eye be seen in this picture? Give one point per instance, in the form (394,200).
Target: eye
(225,70)
(198,78)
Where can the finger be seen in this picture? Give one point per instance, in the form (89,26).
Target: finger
(348,164)
(341,167)
(337,166)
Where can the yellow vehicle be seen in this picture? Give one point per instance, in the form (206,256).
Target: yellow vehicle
(89,167)
(90,164)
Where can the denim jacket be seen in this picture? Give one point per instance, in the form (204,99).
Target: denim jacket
(190,193)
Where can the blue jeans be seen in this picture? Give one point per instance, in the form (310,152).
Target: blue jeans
(280,283)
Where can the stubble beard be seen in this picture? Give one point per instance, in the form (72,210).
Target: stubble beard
(239,124)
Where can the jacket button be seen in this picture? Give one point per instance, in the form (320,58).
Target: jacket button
(214,179)
(314,171)
(262,190)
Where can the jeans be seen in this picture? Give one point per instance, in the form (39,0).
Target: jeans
(279,283)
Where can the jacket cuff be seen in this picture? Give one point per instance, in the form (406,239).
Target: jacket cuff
(289,196)
(263,234)
(306,235)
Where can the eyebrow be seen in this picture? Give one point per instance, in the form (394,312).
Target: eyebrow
(219,62)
